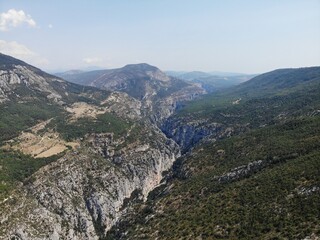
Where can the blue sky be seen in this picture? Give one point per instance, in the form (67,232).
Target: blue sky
(249,36)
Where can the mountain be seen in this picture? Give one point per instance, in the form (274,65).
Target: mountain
(250,168)
(138,80)
(194,75)
(159,94)
(81,77)
(213,81)
(69,73)
(175,73)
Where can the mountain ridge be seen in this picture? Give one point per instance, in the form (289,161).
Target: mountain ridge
(138,80)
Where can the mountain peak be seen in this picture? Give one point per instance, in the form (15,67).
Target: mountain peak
(141,67)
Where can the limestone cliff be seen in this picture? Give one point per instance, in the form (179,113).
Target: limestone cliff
(84,193)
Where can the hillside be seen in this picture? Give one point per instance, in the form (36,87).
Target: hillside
(252,172)
(29,95)
(279,83)
(141,81)
(158,93)
(71,156)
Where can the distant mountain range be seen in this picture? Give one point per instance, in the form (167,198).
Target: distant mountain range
(110,78)
(210,73)
(212,81)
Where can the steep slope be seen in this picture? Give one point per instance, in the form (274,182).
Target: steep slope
(281,79)
(140,81)
(252,171)
(280,82)
(260,185)
(158,93)
(71,164)
(28,95)
(20,81)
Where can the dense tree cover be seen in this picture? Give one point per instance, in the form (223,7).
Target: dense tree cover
(278,201)
(301,83)
(17,167)
(16,117)
(277,124)
(103,123)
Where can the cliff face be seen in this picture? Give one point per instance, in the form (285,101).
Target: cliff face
(157,91)
(163,108)
(84,193)
(13,81)
(188,134)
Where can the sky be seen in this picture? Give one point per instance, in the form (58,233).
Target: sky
(247,36)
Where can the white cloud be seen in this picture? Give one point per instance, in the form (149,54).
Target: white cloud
(50,26)
(14,18)
(20,51)
(15,49)
(91,60)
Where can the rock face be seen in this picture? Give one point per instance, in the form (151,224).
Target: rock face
(84,193)
(141,81)
(187,131)
(241,171)
(13,80)
(20,81)
(138,80)
(164,107)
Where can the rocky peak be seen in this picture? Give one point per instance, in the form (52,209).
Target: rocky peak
(141,81)
(18,79)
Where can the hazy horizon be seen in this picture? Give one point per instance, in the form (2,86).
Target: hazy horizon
(228,36)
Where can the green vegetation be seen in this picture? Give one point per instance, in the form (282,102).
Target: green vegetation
(276,86)
(277,123)
(16,117)
(104,123)
(276,202)
(78,93)
(17,167)
(7,62)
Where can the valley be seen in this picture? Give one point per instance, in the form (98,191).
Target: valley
(133,153)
